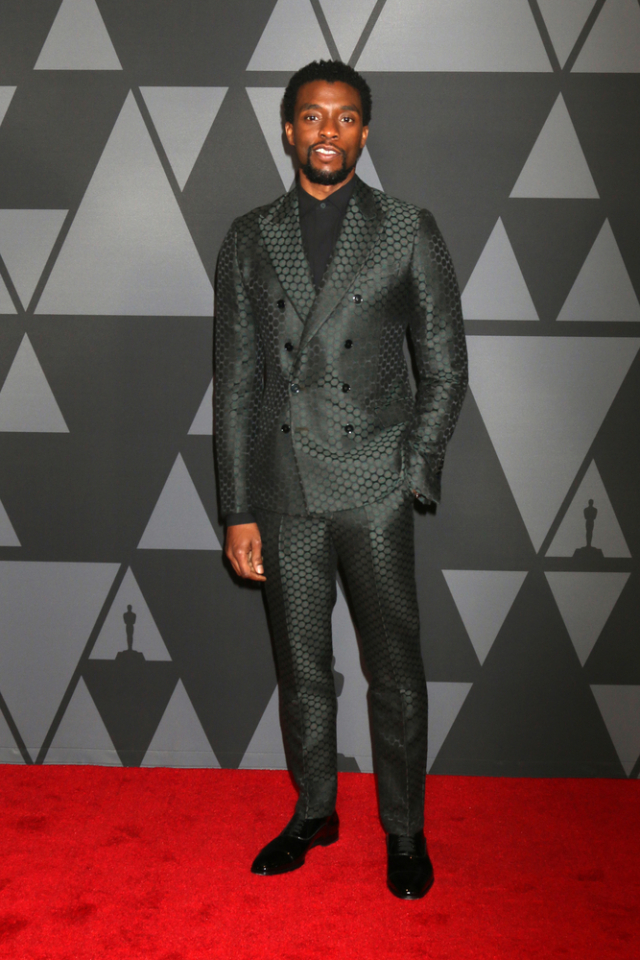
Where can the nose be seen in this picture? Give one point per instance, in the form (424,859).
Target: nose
(329,129)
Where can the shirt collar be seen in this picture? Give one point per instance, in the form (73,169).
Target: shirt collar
(338,199)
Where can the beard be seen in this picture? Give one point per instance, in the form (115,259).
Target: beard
(327,178)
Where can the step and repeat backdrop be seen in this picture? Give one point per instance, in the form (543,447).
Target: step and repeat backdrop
(132,132)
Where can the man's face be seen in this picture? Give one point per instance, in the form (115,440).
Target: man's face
(327,131)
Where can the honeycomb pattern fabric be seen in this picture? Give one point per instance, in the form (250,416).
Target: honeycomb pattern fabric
(314,410)
(374,545)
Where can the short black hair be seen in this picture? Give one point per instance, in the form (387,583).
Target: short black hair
(333,71)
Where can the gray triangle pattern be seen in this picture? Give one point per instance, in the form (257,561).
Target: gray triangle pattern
(460,35)
(27,404)
(613,46)
(346,22)
(602,290)
(183,117)
(291,38)
(445,702)
(266,104)
(78,40)
(564,21)
(8,536)
(6,303)
(203,421)
(82,736)
(180,740)
(265,750)
(556,166)
(136,257)
(619,706)
(519,384)
(26,240)
(179,520)
(6,96)
(483,599)
(585,601)
(9,752)
(112,638)
(496,290)
(47,612)
(607,535)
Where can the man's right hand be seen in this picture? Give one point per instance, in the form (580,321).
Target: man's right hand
(243,547)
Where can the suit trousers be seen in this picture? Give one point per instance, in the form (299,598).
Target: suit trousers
(374,546)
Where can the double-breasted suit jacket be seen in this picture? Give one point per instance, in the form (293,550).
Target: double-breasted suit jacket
(314,408)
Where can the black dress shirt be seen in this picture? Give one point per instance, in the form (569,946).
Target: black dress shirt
(320,225)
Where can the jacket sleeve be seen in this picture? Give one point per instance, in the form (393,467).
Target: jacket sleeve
(437,333)
(238,380)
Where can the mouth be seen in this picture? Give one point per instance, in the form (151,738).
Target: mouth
(327,153)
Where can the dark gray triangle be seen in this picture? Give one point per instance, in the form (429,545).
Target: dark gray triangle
(564,21)
(26,240)
(78,40)
(585,601)
(82,736)
(203,421)
(6,303)
(445,703)
(615,659)
(483,599)
(346,22)
(8,536)
(620,709)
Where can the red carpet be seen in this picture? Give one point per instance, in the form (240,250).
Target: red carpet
(153,864)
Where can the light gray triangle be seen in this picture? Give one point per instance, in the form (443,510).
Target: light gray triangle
(26,240)
(445,703)
(556,166)
(82,736)
(266,104)
(346,22)
(483,599)
(585,602)
(496,290)
(572,532)
(613,46)
(128,251)
(266,749)
(78,40)
(354,735)
(291,38)
(564,21)
(620,709)
(9,752)
(113,635)
(180,740)
(183,117)
(366,170)
(8,536)
(47,613)
(27,404)
(602,290)
(6,303)
(6,96)
(543,400)
(203,421)
(179,520)
(459,35)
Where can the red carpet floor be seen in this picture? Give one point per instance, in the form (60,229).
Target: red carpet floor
(110,863)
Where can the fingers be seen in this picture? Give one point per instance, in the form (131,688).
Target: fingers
(243,548)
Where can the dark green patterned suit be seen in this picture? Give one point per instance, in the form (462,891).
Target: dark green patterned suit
(319,435)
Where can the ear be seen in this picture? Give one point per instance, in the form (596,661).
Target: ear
(363,138)
(288,129)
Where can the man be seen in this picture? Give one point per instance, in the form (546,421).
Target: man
(322,447)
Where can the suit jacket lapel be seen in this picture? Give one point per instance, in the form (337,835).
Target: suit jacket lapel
(280,229)
(360,229)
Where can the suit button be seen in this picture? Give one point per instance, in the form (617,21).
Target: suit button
(285,428)
(345,388)
(348,344)
(294,388)
(288,346)
(349,429)
(281,304)
(356,298)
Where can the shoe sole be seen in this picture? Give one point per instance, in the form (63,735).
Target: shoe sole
(331,836)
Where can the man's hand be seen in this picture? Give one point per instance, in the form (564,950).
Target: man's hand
(243,547)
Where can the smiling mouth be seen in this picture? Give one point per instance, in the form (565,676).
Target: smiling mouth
(327,153)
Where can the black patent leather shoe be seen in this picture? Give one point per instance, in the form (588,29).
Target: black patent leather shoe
(289,849)
(409,869)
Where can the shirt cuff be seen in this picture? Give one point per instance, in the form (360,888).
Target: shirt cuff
(235,519)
